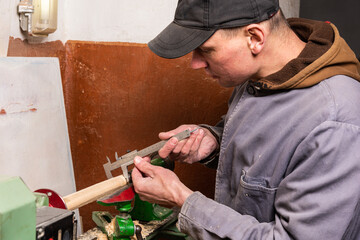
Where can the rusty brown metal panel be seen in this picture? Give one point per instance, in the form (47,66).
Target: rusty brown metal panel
(119,96)
(122,96)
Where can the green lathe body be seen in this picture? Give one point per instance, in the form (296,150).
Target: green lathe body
(17,210)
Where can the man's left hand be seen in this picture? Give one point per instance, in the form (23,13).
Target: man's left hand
(157,184)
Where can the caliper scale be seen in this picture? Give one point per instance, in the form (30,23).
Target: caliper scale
(124,161)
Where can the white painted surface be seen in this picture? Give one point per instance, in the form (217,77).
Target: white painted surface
(5,27)
(117,20)
(34,140)
(34,136)
(291,8)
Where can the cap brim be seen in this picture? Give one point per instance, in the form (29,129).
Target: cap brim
(176,41)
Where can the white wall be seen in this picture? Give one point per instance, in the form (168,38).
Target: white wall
(111,20)
(4,26)
(92,20)
(117,20)
(291,8)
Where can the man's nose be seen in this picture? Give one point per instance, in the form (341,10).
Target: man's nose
(197,61)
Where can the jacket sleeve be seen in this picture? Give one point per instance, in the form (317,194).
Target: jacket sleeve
(317,199)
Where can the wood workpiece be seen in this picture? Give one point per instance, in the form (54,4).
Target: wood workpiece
(94,192)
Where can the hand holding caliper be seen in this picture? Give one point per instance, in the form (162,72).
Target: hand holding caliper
(124,161)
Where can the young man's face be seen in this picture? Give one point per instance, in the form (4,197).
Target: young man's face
(228,60)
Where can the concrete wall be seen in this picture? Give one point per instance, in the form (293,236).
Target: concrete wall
(291,8)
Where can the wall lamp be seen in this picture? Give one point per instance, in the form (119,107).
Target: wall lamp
(38,18)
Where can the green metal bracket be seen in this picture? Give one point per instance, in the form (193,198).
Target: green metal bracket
(119,228)
(145,211)
(41,199)
(125,227)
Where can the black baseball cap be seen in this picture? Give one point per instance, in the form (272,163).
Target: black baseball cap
(197,20)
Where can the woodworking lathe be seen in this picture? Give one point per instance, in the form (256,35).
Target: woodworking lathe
(45,215)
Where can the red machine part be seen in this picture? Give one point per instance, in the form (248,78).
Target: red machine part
(54,199)
(125,195)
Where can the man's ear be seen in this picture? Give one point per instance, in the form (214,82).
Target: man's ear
(255,37)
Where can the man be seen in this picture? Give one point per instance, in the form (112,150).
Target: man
(287,152)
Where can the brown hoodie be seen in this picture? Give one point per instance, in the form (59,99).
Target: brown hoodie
(326,54)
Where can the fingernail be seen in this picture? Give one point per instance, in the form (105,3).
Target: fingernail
(201,131)
(137,159)
(173,141)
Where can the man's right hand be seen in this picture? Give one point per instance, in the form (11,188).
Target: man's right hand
(198,146)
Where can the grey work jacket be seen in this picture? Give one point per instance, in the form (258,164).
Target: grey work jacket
(289,167)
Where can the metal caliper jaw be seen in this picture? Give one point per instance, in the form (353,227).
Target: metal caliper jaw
(124,161)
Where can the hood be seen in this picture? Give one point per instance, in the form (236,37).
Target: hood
(326,54)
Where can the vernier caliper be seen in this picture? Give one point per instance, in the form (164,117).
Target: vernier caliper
(124,161)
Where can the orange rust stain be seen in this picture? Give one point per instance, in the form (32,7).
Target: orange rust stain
(33,109)
(2,111)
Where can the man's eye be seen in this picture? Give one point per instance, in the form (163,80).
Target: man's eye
(206,51)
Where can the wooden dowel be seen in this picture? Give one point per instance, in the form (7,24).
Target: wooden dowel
(94,192)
